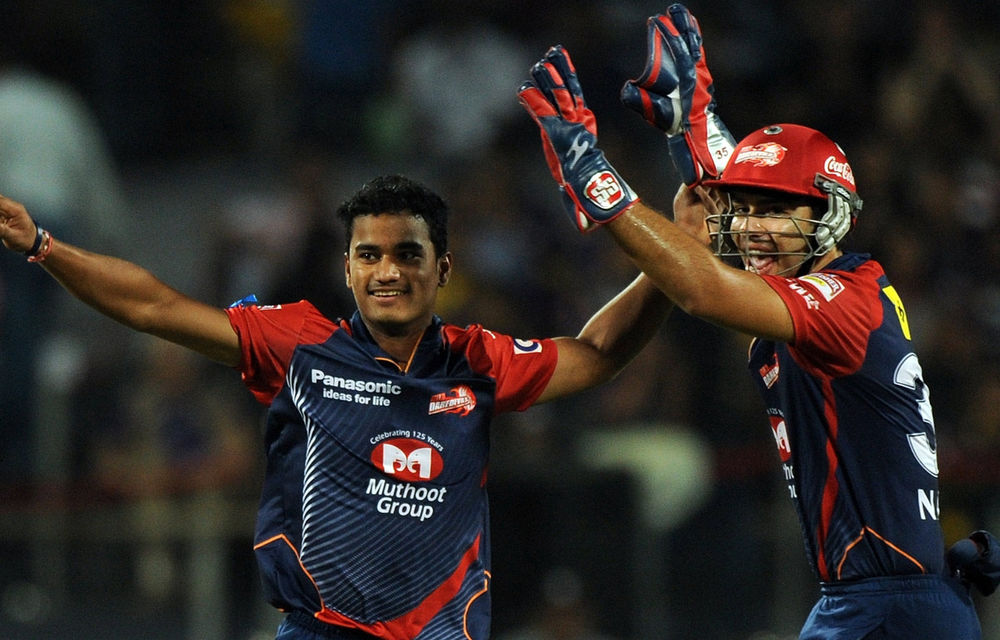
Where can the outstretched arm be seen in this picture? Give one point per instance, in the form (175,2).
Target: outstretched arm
(122,290)
(687,271)
(609,340)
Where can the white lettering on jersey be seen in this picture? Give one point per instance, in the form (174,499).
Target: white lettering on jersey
(405,499)
(909,375)
(928,504)
(369,386)
(811,301)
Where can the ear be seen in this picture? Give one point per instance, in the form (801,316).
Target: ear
(444,268)
(347,270)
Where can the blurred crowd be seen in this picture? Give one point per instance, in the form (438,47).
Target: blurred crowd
(212,141)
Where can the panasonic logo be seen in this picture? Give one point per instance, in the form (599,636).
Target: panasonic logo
(387,387)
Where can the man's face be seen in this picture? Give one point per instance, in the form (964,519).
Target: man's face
(769,230)
(393,271)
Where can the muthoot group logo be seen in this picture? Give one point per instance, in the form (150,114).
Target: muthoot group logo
(408,459)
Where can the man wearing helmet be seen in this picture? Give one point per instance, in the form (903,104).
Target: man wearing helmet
(832,356)
(791,200)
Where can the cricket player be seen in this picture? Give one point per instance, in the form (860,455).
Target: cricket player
(373,519)
(833,355)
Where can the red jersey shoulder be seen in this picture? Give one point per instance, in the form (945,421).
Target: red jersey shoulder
(521,368)
(490,348)
(269,335)
(834,312)
(300,322)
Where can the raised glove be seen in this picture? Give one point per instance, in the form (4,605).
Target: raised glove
(593,192)
(976,561)
(675,94)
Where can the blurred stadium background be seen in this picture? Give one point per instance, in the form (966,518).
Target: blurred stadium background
(210,141)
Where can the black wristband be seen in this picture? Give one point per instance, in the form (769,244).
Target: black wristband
(39,238)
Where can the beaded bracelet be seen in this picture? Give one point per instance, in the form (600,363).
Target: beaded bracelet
(41,249)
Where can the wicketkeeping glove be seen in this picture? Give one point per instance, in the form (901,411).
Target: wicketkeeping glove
(593,192)
(675,94)
(976,561)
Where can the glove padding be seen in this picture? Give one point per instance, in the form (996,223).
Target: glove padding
(976,561)
(675,94)
(593,192)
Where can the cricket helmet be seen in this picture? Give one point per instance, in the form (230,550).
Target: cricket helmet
(792,159)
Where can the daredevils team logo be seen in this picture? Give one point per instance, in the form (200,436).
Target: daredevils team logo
(769,372)
(604,190)
(765,154)
(459,400)
(408,459)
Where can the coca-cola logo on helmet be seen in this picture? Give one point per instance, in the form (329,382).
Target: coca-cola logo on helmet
(839,169)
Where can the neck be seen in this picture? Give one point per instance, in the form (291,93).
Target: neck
(826,259)
(399,346)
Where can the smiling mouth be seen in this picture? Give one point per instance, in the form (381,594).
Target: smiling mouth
(758,262)
(387,293)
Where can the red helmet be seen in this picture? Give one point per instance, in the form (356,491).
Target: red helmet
(790,158)
(786,157)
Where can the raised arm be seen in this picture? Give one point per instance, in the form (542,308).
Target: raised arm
(122,290)
(674,256)
(696,280)
(609,340)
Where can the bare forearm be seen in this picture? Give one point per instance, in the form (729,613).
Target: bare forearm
(609,341)
(117,288)
(677,263)
(696,280)
(131,295)
(626,323)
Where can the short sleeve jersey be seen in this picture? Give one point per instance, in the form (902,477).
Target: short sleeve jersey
(852,421)
(374,508)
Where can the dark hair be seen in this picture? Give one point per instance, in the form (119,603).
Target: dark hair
(398,195)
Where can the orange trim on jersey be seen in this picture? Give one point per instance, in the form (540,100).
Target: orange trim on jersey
(865,530)
(468,605)
(405,368)
(282,537)
(410,624)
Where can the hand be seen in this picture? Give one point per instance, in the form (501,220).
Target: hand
(675,94)
(593,192)
(976,561)
(17,230)
(691,207)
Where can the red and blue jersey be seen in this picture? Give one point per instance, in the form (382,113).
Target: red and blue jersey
(852,421)
(374,510)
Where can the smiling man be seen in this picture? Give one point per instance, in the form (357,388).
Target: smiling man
(832,353)
(373,518)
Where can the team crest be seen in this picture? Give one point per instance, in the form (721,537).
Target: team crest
(769,372)
(765,154)
(459,400)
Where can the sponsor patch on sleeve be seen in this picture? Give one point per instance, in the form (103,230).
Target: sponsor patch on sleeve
(828,285)
(526,346)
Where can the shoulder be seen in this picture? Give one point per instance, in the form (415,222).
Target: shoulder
(477,337)
(301,319)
